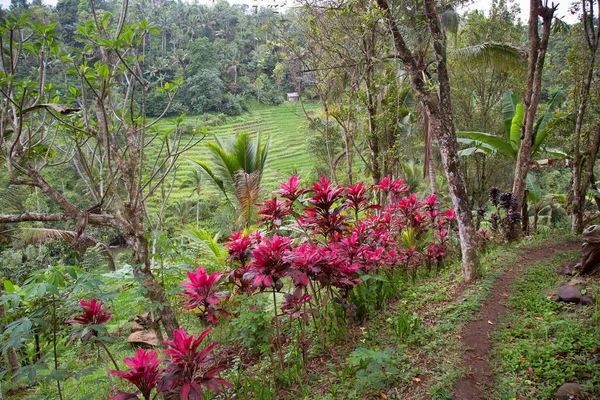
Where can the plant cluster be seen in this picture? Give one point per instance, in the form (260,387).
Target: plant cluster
(188,367)
(326,250)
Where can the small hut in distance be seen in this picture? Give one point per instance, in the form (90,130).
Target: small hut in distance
(293,96)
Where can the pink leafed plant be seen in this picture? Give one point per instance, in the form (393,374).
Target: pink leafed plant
(188,370)
(144,373)
(269,265)
(93,313)
(92,320)
(201,291)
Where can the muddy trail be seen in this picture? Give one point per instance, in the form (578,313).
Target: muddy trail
(475,334)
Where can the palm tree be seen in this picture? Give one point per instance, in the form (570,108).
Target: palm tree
(237,171)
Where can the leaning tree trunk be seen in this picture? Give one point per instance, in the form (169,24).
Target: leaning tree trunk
(579,184)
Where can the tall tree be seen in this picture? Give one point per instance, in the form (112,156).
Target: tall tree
(583,162)
(102,132)
(438,106)
(535,66)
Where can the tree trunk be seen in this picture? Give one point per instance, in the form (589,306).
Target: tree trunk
(332,170)
(432,177)
(525,216)
(439,111)
(11,354)
(536,57)
(578,184)
(155,292)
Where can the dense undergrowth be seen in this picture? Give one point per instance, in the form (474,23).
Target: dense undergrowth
(409,348)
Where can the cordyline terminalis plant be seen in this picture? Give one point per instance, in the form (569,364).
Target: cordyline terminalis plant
(92,324)
(342,236)
(201,292)
(186,375)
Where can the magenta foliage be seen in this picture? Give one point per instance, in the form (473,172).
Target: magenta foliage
(269,266)
(290,190)
(93,318)
(144,373)
(188,368)
(240,248)
(394,188)
(320,217)
(240,254)
(187,372)
(273,212)
(450,214)
(93,313)
(345,236)
(201,291)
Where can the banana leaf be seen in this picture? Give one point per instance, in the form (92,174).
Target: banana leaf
(509,109)
(515,127)
(493,141)
(540,129)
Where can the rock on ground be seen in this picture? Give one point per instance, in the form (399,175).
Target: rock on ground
(569,294)
(569,391)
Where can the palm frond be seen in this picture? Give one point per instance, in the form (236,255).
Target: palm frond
(450,21)
(215,179)
(247,190)
(79,241)
(500,55)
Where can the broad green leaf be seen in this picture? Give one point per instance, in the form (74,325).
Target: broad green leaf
(509,109)
(515,127)
(534,193)
(9,287)
(541,131)
(495,142)
(556,153)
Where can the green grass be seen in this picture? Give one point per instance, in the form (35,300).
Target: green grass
(284,125)
(542,344)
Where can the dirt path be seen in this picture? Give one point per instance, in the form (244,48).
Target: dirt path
(475,335)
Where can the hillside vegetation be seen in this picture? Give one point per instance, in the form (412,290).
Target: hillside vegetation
(285,125)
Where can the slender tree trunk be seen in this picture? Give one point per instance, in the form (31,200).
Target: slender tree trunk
(577,212)
(328,141)
(348,156)
(155,292)
(537,55)
(429,154)
(579,185)
(11,354)
(432,177)
(525,216)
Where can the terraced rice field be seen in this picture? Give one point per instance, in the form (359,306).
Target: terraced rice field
(285,125)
